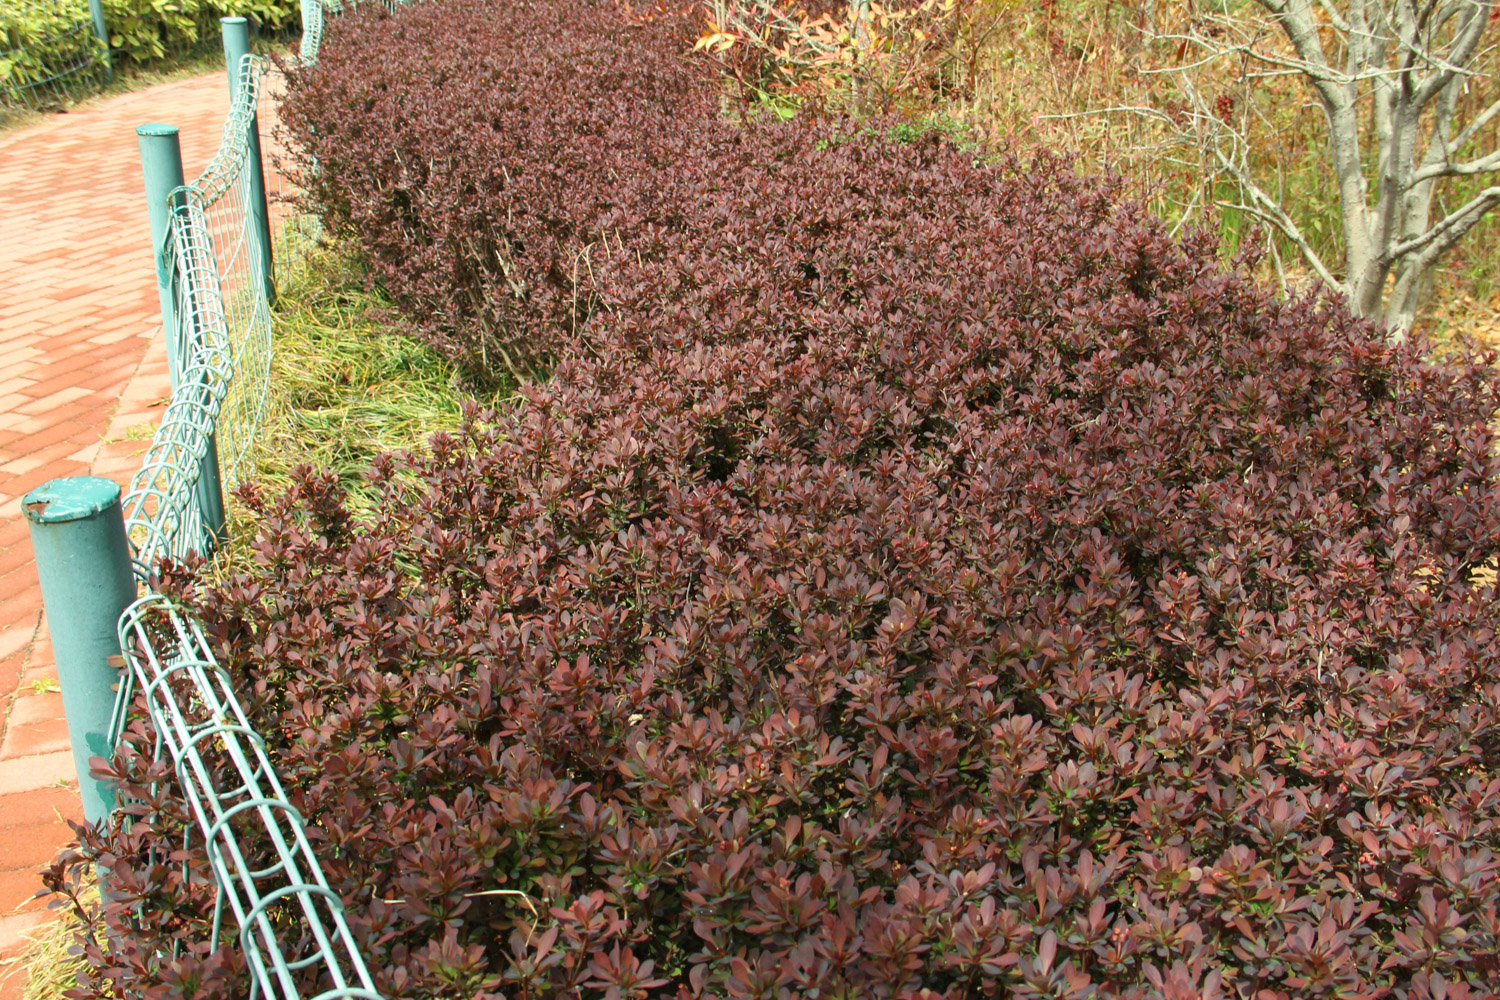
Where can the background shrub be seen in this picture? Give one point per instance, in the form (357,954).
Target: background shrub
(147,30)
(485,164)
(38,40)
(917,578)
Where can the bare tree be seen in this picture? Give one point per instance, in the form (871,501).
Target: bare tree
(1390,77)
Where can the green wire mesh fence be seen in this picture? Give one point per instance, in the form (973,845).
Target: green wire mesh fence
(50,54)
(312,33)
(290,924)
(288,918)
(221,335)
(221,340)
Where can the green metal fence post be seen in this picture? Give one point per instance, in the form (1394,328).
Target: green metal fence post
(101,31)
(211,498)
(161,166)
(236,31)
(83,562)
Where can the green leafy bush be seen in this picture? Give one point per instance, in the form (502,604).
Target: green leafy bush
(44,47)
(146,30)
(47,48)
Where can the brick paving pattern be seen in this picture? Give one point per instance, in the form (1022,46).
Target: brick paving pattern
(83,381)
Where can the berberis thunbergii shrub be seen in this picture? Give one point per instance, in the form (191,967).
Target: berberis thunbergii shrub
(916,579)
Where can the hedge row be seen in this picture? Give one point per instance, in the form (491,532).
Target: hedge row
(917,578)
(43,41)
(143,31)
(498,157)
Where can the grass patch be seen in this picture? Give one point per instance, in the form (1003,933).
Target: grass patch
(50,970)
(343,387)
(50,967)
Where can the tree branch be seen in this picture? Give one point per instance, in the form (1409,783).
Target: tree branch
(1334,17)
(1267,209)
(1442,236)
(1460,51)
(1480,121)
(1293,17)
(1281,222)
(1483,165)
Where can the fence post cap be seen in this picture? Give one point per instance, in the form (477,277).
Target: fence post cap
(70,499)
(155,128)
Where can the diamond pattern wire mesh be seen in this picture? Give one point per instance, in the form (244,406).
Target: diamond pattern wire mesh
(287,917)
(49,54)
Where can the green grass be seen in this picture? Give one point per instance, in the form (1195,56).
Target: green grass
(50,970)
(344,388)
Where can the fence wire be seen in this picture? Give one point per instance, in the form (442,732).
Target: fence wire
(49,55)
(292,228)
(220,337)
(288,918)
(290,924)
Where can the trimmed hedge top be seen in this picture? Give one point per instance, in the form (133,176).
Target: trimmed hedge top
(916,579)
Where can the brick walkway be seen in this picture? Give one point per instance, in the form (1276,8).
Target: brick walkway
(82,383)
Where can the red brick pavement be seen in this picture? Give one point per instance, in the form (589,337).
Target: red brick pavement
(82,383)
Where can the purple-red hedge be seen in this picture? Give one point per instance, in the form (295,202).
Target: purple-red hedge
(918,578)
(482,154)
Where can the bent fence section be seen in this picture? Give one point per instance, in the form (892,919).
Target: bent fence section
(218,345)
(286,916)
(217,302)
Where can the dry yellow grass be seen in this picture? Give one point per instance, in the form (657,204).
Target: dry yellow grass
(48,964)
